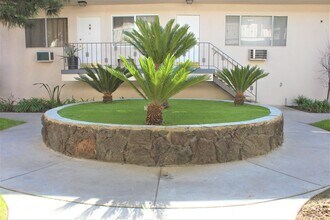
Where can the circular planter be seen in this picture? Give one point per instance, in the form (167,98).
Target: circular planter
(163,145)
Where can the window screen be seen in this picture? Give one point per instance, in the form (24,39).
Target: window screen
(121,24)
(35,33)
(280,30)
(57,32)
(256,31)
(148,18)
(232,30)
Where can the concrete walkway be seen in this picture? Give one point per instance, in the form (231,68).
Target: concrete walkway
(38,183)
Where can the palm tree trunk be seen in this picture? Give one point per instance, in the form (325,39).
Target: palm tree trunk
(107,97)
(154,114)
(239,98)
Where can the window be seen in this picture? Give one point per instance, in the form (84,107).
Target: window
(279,31)
(126,23)
(148,18)
(57,32)
(50,32)
(232,30)
(256,30)
(121,24)
(35,34)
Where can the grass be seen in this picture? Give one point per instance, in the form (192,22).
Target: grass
(181,112)
(7,123)
(325,124)
(3,210)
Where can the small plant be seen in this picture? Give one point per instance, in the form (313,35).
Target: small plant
(7,105)
(100,79)
(240,79)
(53,93)
(158,84)
(32,105)
(70,51)
(309,105)
(70,55)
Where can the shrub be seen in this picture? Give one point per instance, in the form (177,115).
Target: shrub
(240,79)
(53,93)
(7,105)
(32,105)
(100,79)
(309,105)
(301,100)
(321,106)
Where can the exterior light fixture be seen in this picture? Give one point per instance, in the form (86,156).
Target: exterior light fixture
(189,2)
(82,3)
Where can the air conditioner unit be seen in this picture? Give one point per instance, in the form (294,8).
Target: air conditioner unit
(255,54)
(45,57)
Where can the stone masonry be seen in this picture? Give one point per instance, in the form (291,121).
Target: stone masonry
(158,146)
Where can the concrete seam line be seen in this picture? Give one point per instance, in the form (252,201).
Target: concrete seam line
(152,208)
(36,170)
(314,148)
(158,182)
(268,168)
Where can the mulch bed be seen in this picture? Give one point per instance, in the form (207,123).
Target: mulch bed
(316,208)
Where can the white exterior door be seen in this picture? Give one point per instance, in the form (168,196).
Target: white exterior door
(89,37)
(193,22)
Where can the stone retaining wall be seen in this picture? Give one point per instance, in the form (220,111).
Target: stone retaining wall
(157,146)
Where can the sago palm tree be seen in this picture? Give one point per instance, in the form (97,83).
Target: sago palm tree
(158,85)
(157,42)
(99,78)
(240,79)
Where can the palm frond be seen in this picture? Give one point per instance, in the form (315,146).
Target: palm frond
(158,85)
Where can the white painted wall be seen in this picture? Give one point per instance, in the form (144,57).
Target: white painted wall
(296,66)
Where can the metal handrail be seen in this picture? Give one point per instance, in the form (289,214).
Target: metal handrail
(253,89)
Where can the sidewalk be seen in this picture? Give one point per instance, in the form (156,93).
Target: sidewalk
(38,183)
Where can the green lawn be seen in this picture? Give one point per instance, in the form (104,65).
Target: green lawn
(325,124)
(3,210)
(7,123)
(180,112)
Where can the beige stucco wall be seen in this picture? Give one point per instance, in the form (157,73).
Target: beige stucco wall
(296,66)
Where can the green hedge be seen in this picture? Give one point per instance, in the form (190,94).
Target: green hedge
(309,105)
(32,104)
